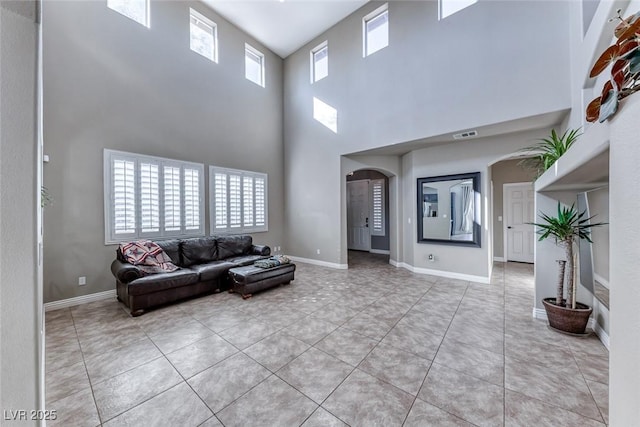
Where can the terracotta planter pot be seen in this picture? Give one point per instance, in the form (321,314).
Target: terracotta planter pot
(571,320)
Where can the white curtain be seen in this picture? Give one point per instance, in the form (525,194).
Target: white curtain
(467,208)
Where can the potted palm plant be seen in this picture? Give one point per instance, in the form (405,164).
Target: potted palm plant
(548,150)
(567,228)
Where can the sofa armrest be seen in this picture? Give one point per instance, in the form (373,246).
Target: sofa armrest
(125,272)
(260,250)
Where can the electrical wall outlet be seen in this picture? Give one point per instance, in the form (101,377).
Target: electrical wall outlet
(82,280)
(318,251)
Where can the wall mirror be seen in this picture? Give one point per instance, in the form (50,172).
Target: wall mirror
(449,209)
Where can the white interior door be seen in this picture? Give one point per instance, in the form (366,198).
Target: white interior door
(358,231)
(519,211)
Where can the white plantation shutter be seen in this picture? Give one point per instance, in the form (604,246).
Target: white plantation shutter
(220,201)
(147,197)
(261,202)
(235,202)
(124,196)
(172,217)
(247,201)
(377,214)
(238,200)
(191,199)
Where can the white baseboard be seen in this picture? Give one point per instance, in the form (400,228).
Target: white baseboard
(604,337)
(379,251)
(540,313)
(440,273)
(499,259)
(82,299)
(318,262)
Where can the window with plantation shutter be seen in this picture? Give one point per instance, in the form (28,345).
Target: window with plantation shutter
(151,197)
(377,207)
(238,200)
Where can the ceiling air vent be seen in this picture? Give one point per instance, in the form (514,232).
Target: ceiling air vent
(467,134)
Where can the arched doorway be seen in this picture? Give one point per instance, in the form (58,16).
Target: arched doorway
(512,204)
(367,211)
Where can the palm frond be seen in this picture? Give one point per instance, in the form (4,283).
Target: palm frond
(567,225)
(548,150)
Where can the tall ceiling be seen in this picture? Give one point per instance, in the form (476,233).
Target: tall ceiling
(284,25)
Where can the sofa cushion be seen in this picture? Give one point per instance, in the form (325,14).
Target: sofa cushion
(212,270)
(162,281)
(240,261)
(171,248)
(199,250)
(230,246)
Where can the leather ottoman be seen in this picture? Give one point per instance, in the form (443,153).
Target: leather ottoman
(249,279)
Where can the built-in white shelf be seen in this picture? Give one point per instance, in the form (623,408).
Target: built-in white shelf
(583,167)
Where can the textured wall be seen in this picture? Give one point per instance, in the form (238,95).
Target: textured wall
(417,87)
(18,205)
(112,83)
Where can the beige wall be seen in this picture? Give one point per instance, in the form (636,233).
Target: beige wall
(504,172)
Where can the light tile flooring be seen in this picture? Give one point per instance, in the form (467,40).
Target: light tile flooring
(369,346)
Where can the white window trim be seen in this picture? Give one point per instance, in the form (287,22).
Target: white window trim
(313,62)
(212,202)
(110,236)
(365,20)
(214,27)
(253,50)
(147,17)
(383,214)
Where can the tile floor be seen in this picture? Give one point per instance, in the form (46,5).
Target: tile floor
(369,346)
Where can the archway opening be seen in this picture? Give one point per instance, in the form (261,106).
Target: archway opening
(367,217)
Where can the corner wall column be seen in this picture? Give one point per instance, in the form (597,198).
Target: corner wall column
(624,229)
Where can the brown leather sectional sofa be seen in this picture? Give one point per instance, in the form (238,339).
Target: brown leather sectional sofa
(204,262)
